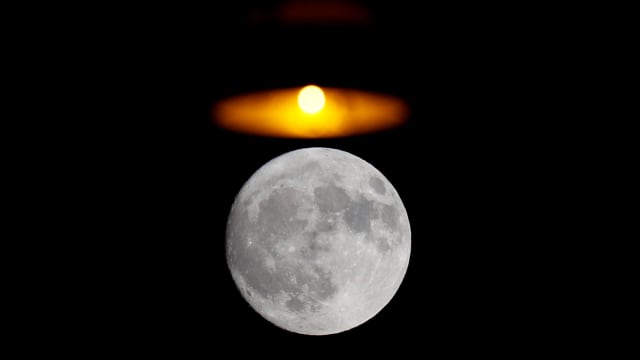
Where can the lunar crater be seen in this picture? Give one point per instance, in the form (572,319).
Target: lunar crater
(359,214)
(331,198)
(378,185)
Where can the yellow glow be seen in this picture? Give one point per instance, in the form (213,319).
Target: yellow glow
(311,99)
(280,113)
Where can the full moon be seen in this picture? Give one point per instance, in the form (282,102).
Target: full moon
(318,241)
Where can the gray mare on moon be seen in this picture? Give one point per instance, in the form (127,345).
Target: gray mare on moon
(318,241)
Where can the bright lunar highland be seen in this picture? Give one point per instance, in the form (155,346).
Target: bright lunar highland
(318,241)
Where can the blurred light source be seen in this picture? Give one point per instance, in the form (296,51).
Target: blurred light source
(341,45)
(310,112)
(311,99)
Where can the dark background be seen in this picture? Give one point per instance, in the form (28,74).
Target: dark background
(482,167)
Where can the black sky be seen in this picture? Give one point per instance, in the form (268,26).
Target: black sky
(480,167)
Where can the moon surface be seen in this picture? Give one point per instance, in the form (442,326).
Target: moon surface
(318,241)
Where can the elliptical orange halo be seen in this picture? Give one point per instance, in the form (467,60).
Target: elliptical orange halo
(310,112)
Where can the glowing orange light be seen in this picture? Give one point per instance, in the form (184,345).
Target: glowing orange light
(310,112)
(311,99)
